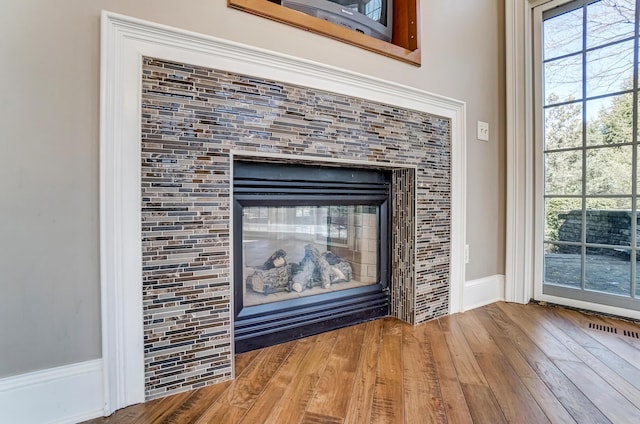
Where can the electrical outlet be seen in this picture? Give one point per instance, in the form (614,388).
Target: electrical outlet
(466,253)
(483,131)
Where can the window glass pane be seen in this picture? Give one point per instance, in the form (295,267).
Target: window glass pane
(563,172)
(562,265)
(638,252)
(563,126)
(563,220)
(608,270)
(638,173)
(563,34)
(563,80)
(609,69)
(609,170)
(610,20)
(637,282)
(609,221)
(610,120)
(637,119)
(637,226)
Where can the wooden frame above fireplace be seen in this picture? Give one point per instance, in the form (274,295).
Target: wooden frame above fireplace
(405,45)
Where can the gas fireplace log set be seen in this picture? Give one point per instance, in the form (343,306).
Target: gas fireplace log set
(315,269)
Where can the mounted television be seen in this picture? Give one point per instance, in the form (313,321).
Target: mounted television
(370,17)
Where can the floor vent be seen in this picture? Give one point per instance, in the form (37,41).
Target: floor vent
(606,328)
(603,328)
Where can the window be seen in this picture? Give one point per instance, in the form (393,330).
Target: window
(589,144)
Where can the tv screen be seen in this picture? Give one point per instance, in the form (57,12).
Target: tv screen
(370,17)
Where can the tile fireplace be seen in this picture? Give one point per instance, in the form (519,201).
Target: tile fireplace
(196,123)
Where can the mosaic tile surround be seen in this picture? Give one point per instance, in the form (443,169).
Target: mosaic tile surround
(192,120)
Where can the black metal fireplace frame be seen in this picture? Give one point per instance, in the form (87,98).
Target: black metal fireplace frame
(275,184)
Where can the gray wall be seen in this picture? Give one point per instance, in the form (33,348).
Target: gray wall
(49,116)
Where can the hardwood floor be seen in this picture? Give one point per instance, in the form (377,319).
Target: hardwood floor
(502,363)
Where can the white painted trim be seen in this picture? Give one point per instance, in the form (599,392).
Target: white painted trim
(483,291)
(518,272)
(519,260)
(67,394)
(120,217)
(597,307)
(125,41)
(458,205)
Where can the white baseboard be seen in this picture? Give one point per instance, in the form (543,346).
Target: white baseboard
(483,291)
(67,394)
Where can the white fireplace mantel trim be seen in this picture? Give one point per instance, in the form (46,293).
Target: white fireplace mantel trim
(124,41)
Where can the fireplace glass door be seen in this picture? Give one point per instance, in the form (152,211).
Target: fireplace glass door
(295,251)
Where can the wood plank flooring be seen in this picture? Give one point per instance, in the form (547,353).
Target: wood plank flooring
(502,363)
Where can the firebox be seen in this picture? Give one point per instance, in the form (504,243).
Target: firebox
(311,250)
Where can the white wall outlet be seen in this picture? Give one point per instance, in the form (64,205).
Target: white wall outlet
(466,253)
(483,131)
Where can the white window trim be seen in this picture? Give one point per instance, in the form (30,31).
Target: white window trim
(523,274)
(519,231)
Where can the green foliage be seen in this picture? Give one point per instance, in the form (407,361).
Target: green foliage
(614,124)
(608,164)
(563,125)
(553,209)
(609,170)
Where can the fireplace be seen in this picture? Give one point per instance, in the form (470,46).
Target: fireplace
(196,120)
(311,250)
(205,102)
